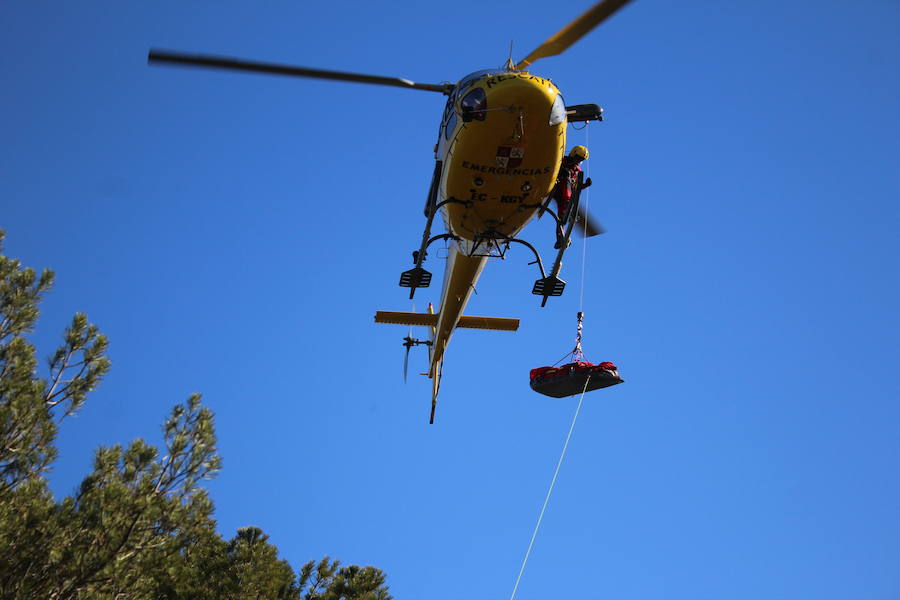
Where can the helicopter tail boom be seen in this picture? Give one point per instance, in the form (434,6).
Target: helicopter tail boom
(435,388)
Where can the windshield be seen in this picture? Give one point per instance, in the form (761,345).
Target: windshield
(473,77)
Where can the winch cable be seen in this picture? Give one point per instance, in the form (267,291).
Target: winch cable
(587,201)
(587,205)
(550,490)
(577,408)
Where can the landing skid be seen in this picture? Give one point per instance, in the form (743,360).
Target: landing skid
(547,285)
(417,276)
(494,244)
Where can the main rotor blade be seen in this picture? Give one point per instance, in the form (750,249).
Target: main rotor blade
(236,64)
(587,224)
(574,31)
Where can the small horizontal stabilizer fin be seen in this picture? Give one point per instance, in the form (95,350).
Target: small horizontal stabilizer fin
(495,323)
(430,320)
(406,318)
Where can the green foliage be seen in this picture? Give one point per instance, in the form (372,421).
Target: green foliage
(139,526)
(27,402)
(132,512)
(327,580)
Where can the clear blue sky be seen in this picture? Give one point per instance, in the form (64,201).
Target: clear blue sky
(234,234)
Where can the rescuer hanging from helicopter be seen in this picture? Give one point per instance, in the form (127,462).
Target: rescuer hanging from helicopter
(566,181)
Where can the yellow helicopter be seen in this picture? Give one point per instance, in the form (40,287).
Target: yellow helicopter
(501,142)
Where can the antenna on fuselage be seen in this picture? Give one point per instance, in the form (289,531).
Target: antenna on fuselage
(510,65)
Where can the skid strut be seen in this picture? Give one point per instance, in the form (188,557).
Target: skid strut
(417,276)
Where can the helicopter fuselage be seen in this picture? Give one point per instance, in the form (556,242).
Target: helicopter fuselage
(501,140)
(500,149)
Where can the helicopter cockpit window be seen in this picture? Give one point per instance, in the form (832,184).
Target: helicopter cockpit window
(558,111)
(473,105)
(449,112)
(471,78)
(450,126)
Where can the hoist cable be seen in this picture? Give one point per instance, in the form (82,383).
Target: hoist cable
(550,490)
(580,400)
(587,204)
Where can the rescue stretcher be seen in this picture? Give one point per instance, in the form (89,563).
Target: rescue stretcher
(573,378)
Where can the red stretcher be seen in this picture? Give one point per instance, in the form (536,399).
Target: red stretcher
(573,378)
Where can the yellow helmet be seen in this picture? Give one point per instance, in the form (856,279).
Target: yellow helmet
(579,152)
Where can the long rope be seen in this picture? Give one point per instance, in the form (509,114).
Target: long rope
(587,204)
(580,400)
(550,490)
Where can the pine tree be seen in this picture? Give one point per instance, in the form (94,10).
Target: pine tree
(327,580)
(28,403)
(139,527)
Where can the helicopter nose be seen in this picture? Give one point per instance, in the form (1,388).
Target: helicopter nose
(520,91)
